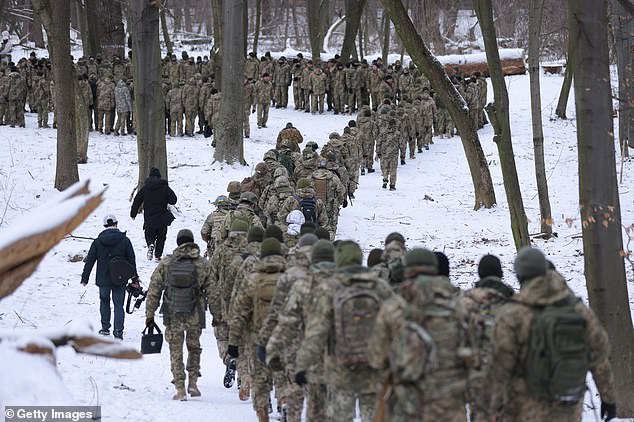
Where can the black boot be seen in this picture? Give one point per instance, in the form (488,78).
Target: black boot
(402,161)
(230,373)
(371,170)
(392,187)
(384,184)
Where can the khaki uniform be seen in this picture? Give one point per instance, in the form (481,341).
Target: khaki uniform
(263,95)
(210,232)
(282,80)
(387,146)
(105,105)
(426,118)
(174,103)
(191,94)
(249,103)
(123,101)
(289,134)
(292,203)
(252,68)
(41,100)
(318,81)
(212,110)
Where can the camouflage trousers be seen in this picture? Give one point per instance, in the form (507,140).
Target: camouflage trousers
(339,94)
(342,404)
(402,146)
(221,331)
(352,101)
(445,124)
(190,121)
(424,136)
(367,148)
(16,113)
(42,114)
(298,97)
(101,116)
(261,383)
(176,123)
(389,166)
(376,99)
(317,396)
(4,118)
(450,409)
(184,328)
(263,113)
(120,126)
(281,95)
(318,103)
(412,146)
(306,99)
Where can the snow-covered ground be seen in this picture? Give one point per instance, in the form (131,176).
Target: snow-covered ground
(141,390)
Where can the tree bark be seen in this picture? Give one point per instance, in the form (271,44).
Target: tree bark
(499,113)
(433,70)
(81,125)
(598,192)
(314,28)
(386,38)
(229,141)
(535,13)
(217,9)
(169,46)
(111,31)
(560,111)
(623,25)
(92,19)
(629,5)
(143,21)
(258,22)
(38,36)
(55,16)
(354,10)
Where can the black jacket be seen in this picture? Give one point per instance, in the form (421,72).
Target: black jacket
(154,195)
(110,242)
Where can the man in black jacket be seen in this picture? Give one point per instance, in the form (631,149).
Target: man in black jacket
(155,195)
(110,243)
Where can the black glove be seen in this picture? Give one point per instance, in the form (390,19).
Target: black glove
(300,378)
(253,110)
(135,279)
(260,352)
(84,282)
(232,351)
(276,364)
(608,411)
(149,321)
(345,203)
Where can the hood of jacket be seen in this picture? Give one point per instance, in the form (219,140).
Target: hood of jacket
(111,237)
(187,250)
(154,183)
(272,264)
(543,290)
(495,283)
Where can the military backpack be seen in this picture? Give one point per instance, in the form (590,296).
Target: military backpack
(182,289)
(558,355)
(308,207)
(264,291)
(287,161)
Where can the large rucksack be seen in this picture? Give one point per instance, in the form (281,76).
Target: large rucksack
(264,291)
(287,161)
(558,355)
(413,353)
(308,207)
(181,286)
(355,310)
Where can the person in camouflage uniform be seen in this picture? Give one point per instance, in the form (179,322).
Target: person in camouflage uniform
(285,339)
(123,102)
(427,117)
(252,67)
(481,81)
(263,95)
(16,96)
(41,98)
(282,190)
(191,94)
(298,95)
(347,338)
(105,105)
(174,103)
(289,133)
(304,191)
(282,80)
(203,95)
(408,133)
(472,97)
(306,164)
(511,398)
(212,109)
(420,339)
(210,232)
(318,81)
(252,304)
(445,125)
(365,123)
(387,147)
(5,83)
(376,78)
(339,90)
(392,255)
(181,327)
(245,211)
(352,162)
(248,105)
(291,395)
(305,84)
(329,188)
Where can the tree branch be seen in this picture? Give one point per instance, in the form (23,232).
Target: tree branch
(628,5)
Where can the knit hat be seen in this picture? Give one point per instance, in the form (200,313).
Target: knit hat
(323,251)
(307,227)
(489,266)
(322,233)
(374,257)
(347,253)
(109,220)
(530,263)
(443,263)
(394,236)
(184,236)
(303,183)
(239,225)
(154,172)
(421,257)
(274,232)
(255,234)
(270,246)
(307,240)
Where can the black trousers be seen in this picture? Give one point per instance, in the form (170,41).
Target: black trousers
(156,236)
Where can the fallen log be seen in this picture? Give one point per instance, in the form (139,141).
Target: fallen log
(466,64)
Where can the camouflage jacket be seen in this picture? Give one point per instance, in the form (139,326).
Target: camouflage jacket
(174,100)
(225,263)
(251,68)
(123,99)
(318,82)
(427,111)
(263,92)
(105,95)
(244,212)
(388,143)
(190,96)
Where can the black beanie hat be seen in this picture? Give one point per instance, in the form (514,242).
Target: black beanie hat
(184,236)
(307,227)
(443,264)
(275,232)
(490,266)
(154,172)
(255,234)
(374,257)
(322,233)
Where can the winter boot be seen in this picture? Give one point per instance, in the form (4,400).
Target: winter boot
(392,187)
(427,147)
(245,391)
(230,374)
(192,388)
(263,416)
(420,150)
(118,334)
(362,172)
(371,170)
(104,332)
(180,394)
(150,252)
(402,161)
(384,184)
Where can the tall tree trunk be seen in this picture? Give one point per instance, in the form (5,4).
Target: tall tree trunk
(148,94)
(499,113)
(451,18)
(229,141)
(434,71)
(560,111)
(258,22)
(217,10)
(386,37)
(55,16)
(623,25)
(36,31)
(361,44)
(598,192)
(314,28)
(535,14)
(92,19)
(354,10)
(81,125)
(169,46)
(111,31)
(245,28)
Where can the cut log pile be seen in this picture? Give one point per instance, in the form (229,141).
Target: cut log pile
(466,64)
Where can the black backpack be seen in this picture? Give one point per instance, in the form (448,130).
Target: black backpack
(308,207)
(119,268)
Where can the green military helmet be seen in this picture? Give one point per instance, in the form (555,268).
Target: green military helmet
(184,236)
(375,257)
(323,251)
(249,198)
(421,257)
(308,239)
(270,246)
(255,234)
(221,201)
(281,171)
(308,154)
(530,263)
(303,183)
(233,187)
(239,226)
(261,168)
(282,183)
(347,253)
(334,135)
(271,154)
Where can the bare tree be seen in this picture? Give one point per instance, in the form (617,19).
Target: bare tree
(229,141)
(92,27)
(217,52)
(111,31)
(598,192)
(534,28)
(315,33)
(169,46)
(354,10)
(623,29)
(258,22)
(143,25)
(55,16)
(433,70)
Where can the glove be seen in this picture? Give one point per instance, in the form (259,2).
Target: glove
(608,411)
(253,110)
(215,322)
(345,203)
(84,283)
(135,279)
(300,378)
(260,352)
(276,364)
(149,321)
(232,351)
